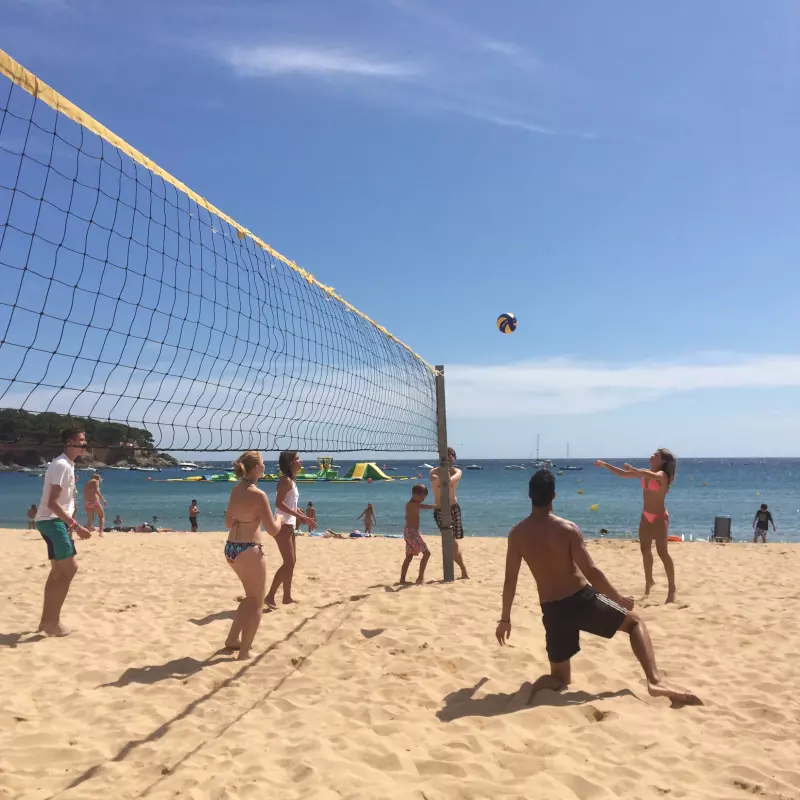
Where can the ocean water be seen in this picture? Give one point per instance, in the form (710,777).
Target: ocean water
(492,500)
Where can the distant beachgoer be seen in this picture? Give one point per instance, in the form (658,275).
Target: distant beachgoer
(369,518)
(118,523)
(455,509)
(415,544)
(154,524)
(32,518)
(286,497)
(761,523)
(654,524)
(574,594)
(54,521)
(311,517)
(248,510)
(93,502)
(193,512)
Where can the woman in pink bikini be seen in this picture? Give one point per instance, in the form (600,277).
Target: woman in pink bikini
(654,524)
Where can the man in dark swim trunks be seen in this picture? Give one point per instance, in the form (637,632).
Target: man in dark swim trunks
(762,521)
(570,585)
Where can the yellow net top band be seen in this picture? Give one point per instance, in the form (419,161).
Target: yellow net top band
(26,80)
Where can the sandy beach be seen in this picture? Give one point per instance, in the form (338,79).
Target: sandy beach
(369,690)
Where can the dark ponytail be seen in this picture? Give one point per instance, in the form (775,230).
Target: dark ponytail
(285,462)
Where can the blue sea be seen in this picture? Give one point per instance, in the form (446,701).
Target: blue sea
(492,499)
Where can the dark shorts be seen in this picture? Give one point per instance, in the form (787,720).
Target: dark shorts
(59,542)
(455,520)
(763,528)
(193,521)
(586,610)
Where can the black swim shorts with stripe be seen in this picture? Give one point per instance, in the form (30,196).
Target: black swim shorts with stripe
(455,520)
(586,610)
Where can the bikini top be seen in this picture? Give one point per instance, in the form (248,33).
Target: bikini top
(650,486)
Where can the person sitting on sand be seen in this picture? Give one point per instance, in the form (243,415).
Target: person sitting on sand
(248,511)
(570,585)
(369,518)
(329,534)
(761,523)
(93,502)
(118,523)
(415,544)
(32,518)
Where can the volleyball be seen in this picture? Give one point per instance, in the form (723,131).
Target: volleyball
(507,323)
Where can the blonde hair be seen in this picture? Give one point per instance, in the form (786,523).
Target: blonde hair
(246,462)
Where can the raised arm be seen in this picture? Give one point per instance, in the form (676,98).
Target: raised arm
(619,472)
(636,472)
(585,563)
(513,563)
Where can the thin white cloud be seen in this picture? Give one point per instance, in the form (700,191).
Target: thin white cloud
(508,122)
(270,60)
(576,387)
(504,48)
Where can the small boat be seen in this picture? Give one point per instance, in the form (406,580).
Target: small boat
(187,466)
(513,466)
(473,466)
(146,469)
(568,467)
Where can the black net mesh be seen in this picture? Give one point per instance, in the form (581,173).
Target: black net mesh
(123,299)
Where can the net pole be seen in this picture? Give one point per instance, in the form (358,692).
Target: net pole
(444,479)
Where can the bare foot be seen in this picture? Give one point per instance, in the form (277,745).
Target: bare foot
(233,645)
(464,577)
(403,583)
(55,630)
(671,596)
(674,693)
(270,601)
(245,655)
(420,580)
(648,587)
(289,601)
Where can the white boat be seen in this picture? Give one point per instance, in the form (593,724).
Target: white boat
(187,466)
(513,466)
(473,466)
(146,469)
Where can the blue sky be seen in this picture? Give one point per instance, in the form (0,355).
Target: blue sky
(623,177)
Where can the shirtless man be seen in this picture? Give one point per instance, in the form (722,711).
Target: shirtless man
(570,585)
(455,508)
(93,502)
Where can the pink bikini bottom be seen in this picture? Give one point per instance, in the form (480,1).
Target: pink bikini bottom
(650,517)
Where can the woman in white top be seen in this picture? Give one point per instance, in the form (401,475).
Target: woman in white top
(248,510)
(286,497)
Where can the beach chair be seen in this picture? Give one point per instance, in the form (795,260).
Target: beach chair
(721,532)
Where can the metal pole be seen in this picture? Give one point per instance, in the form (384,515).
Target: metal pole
(444,479)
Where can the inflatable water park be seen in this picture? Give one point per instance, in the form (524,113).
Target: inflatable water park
(326,472)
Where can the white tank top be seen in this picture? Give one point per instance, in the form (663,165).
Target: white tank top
(290,501)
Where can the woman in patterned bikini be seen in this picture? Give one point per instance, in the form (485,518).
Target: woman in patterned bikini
(248,510)
(654,524)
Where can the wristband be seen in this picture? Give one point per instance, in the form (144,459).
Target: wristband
(72,524)
(507,621)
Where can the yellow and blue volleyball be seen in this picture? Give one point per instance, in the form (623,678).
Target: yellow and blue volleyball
(506,323)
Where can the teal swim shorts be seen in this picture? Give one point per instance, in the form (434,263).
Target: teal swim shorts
(59,542)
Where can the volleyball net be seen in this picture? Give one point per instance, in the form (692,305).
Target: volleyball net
(126,297)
